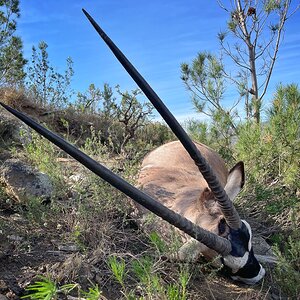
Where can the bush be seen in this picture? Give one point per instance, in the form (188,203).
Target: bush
(217,135)
(271,171)
(288,267)
(271,152)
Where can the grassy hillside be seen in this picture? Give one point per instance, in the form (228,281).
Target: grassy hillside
(83,242)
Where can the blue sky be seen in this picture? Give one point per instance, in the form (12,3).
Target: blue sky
(157,36)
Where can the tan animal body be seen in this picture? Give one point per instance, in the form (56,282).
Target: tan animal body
(169,175)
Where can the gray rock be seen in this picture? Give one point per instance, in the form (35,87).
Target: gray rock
(23,182)
(260,246)
(263,251)
(12,130)
(68,248)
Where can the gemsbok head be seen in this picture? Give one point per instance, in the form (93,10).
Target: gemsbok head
(185,183)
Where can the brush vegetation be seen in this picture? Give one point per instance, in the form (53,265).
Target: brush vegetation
(92,218)
(83,242)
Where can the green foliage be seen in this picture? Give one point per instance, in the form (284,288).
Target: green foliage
(271,155)
(45,289)
(250,43)
(117,267)
(12,63)
(184,278)
(93,145)
(36,212)
(272,149)
(43,154)
(132,115)
(155,133)
(11,57)
(198,131)
(204,79)
(47,86)
(157,241)
(284,119)
(108,105)
(150,282)
(102,194)
(123,122)
(96,203)
(142,268)
(272,5)
(288,266)
(97,101)
(88,102)
(217,135)
(94,293)
(232,26)
(178,291)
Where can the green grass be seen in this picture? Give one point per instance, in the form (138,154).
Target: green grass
(93,293)
(47,289)
(150,280)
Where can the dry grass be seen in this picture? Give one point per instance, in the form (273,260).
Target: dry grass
(17,99)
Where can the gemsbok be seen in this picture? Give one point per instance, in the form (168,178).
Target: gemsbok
(185,183)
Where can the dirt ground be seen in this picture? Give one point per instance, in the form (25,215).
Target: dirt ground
(28,250)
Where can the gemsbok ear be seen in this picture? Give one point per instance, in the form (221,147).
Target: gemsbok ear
(235,180)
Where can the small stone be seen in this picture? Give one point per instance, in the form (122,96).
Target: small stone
(68,248)
(73,298)
(15,238)
(3,285)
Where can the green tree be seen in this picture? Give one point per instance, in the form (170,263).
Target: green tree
(12,61)
(120,119)
(48,87)
(275,157)
(109,102)
(251,41)
(89,101)
(132,114)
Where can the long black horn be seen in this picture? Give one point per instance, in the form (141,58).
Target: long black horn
(211,240)
(230,214)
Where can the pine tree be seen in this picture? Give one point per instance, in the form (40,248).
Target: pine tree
(12,61)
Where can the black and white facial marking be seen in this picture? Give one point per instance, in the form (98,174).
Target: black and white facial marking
(241,263)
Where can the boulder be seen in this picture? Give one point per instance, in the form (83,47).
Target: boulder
(23,182)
